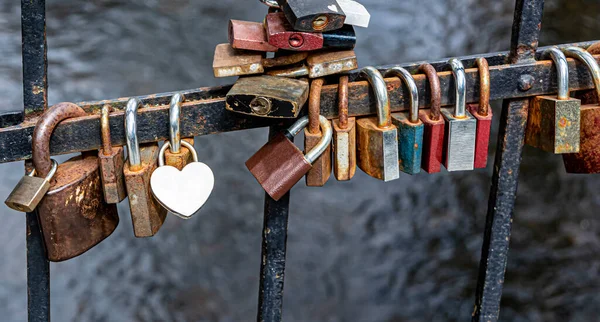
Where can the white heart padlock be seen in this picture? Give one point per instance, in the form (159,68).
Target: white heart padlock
(183,192)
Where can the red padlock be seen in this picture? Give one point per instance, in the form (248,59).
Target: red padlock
(249,36)
(483,114)
(435,127)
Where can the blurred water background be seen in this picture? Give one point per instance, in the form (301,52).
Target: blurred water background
(359,251)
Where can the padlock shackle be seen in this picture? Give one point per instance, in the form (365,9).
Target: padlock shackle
(105,129)
(413,91)
(175,122)
(484,86)
(316,152)
(460,84)
(167,145)
(562,70)
(589,60)
(270,3)
(343,102)
(384,111)
(133,145)
(43,132)
(435,89)
(314,106)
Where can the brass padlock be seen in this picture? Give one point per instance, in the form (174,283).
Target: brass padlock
(73,215)
(146,213)
(176,155)
(554,123)
(30,190)
(111,163)
(377,150)
(320,172)
(279,164)
(344,137)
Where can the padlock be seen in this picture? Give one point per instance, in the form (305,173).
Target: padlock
(356,13)
(410,127)
(111,163)
(588,158)
(483,115)
(461,127)
(146,213)
(377,150)
(282,35)
(320,172)
(177,156)
(279,164)
(30,190)
(233,62)
(290,72)
(554,123)
(249,35)
(313,15)
(73,215)
(344,137)
(434,129)
(268,96)
(326,63)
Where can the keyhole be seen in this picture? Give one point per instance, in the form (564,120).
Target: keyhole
(320,22)
(260,105)
(296,40)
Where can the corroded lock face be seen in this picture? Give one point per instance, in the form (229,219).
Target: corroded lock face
(331,62)
(111,163)
(313,15)
(344,137)
(249,36)
(232,62)
(434,129)
(268,96)
(320,172)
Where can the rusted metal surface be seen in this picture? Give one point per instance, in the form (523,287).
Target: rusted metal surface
(111,161)
(232,62)
(483,114)
(181,159)
(282,35)
(313,15)
(320,172)
(284,59)
(249,36)
(344,137)
(292,72)
(434,129)
(553,125)
(331,62)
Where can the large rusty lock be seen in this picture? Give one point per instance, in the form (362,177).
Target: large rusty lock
(176,155)
(434,130)
(344,137)
(73,215)
(146,213)
(320,172)
(588,158)
(111,163)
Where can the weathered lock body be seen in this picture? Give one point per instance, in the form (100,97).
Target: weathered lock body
(233,62)
(111,163)
(320,171)
(322,64)
(313,15)
(377,137)
(344,137)
(30,190)
(268,96)
(176,155)
(146,213)
(279,164)
(554,123)
(410,127)
(73,215)
(461,127)
(300,70)
(249,35)
(483,115)
(356,13)
(588,158)
(434,126)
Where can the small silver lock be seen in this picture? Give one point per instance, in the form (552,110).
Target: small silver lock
(461,126)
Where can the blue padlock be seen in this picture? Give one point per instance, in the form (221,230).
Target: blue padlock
(410,127)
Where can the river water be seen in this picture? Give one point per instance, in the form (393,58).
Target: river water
(359,251)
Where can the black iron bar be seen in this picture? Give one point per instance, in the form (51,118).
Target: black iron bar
(272,265)
(494,254)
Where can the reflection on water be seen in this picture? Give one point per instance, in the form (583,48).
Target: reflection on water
(360,251)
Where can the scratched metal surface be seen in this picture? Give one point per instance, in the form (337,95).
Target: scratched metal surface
(360,251)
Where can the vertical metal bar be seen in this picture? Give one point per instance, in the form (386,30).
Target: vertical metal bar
(272,266)
(494,254)
(35,100)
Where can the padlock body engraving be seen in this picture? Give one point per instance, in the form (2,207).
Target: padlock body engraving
(278,166)
(482,141)
(249,36)
(554,125)
(344,150)
(285,96)
(111,172)
(232,62)
(377,150)
(588,158)
(303,15)
(146,213)
(459,146)
(27,194)
(181,159)
(73,215)
(433,142)
(320,172)
(329,63)
(410,143)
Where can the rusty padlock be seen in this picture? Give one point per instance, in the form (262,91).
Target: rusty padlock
(73,215)
(279,164)
(588,158)
(313,15)
(320,172)
(435,126)
(176,155)
(483,114)
(146,213)
(111,163)
(249,35)
(344,137)
(233,62)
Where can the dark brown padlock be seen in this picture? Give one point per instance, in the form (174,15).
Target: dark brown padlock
(73,215)
(320,172)
(111,160)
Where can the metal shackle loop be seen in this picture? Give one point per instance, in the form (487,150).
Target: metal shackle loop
(105,129)
(50,174)
(343,101)
(589,60)
(484,86)
(175,122)
(460,83)
(270,3)
(562,70)
(435,89)
(316,152)
(413,91)
(384,111)
(167,145)
(133,146)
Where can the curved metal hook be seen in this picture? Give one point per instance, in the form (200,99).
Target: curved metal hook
(133,146)
(175,122)
(384,112)
(562,70)
(413,91)
(460,82)
(589,60)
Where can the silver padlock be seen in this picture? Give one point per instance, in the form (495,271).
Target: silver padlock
(461,126)
(30,190)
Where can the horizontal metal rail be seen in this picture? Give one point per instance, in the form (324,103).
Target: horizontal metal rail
(204,111)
